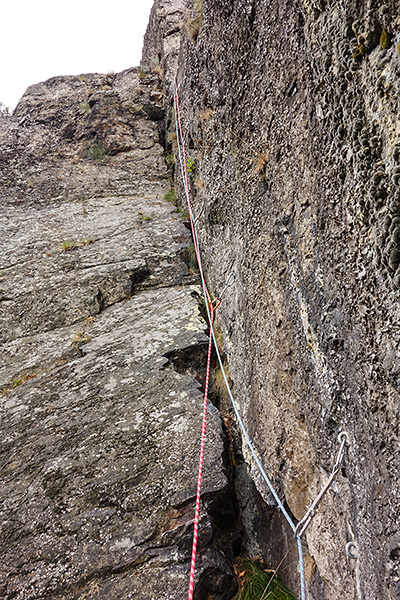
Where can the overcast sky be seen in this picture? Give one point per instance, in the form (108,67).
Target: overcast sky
(40,39)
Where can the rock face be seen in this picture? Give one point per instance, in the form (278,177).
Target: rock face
(290,113)
(102,347)
(291,119)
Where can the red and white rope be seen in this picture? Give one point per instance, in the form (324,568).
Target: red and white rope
(200,472)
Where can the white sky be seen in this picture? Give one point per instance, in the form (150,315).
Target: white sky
(40,39)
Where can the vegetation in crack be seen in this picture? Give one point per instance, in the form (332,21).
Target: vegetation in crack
(258,582)
(16,382)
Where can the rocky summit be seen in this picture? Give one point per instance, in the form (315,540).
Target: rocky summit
(289,112)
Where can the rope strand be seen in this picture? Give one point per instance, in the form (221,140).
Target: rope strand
(200,473)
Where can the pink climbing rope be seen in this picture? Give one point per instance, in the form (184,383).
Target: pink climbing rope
(200,473)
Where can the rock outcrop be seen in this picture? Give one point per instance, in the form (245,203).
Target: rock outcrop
(102,347)
(291,119)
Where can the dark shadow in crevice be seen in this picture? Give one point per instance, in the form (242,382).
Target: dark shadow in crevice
(137,278)
(190,361)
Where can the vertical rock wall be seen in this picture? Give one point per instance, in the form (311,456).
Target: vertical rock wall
(291,117)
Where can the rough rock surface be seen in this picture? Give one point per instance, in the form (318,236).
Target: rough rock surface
(102,350)
(291,118)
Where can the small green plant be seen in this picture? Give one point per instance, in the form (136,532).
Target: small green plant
(256,582)
(142,73)
(184,213)
(80,338)
(190,165)
(71,245)
(65,245)
(85,107)
(385,39)
(97,151)
(170,196)
(359,53)
(146,218)
(15,383)
(170,159)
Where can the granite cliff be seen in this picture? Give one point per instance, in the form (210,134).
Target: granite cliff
(290,114)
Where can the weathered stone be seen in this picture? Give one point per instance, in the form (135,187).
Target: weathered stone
(102,350)
(291,115)
(80,137)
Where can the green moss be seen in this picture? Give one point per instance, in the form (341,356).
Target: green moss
(359,53)
(259,583)
(184,213)
(384,40)
(398,48)
(97,151)
(85,107)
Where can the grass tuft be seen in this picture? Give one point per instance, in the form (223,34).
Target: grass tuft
(15,383)
(170,196)
(256,582)
(97,151)
(84,107)
(80,338)
(72,245)
(170,159)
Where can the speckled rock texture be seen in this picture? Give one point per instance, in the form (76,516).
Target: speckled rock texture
(102,354)
(291,118)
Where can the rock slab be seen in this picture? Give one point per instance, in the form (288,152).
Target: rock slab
(102,350)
